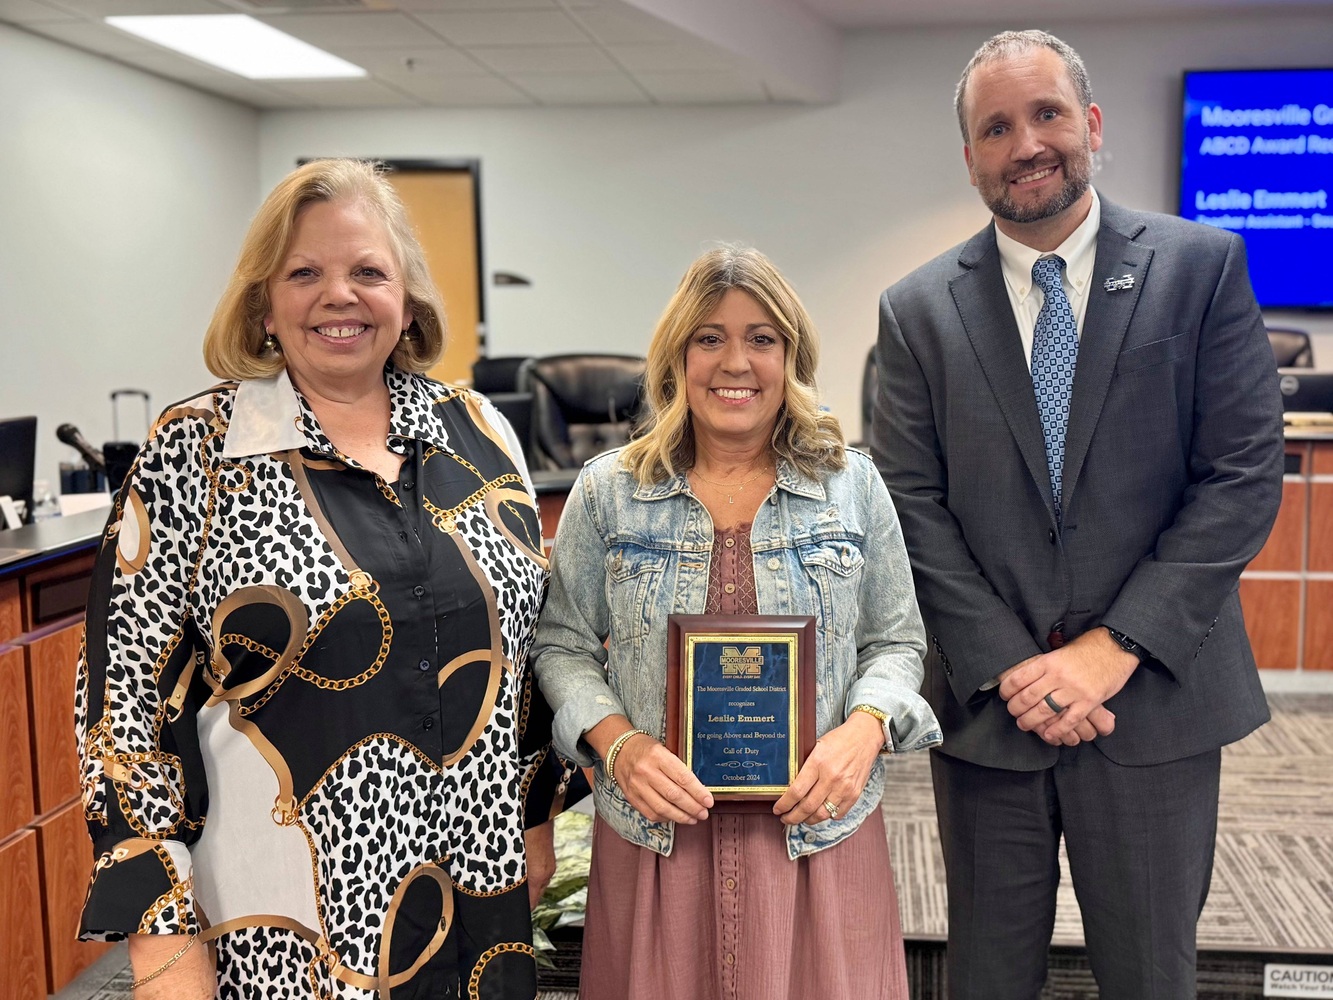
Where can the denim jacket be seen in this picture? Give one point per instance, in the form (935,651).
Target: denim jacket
(628,556)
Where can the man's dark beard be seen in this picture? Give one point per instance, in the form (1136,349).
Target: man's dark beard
(1077,178)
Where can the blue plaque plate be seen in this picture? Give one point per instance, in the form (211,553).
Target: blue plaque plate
(741,701)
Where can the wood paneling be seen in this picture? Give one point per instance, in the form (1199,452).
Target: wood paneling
(16,802)
(1272,619)
(1283,549)
(1322,461)
(1319,625)
(21,934)
(1321,527)
(11,611)
(66,858)
(51,670)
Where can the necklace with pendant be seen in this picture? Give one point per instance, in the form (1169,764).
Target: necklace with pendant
(728,488)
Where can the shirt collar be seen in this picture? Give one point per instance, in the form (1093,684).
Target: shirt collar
(1079,251)
(269,415)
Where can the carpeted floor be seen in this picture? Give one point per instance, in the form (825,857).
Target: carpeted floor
(1272,888)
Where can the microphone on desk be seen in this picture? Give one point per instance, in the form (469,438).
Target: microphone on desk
(69,434)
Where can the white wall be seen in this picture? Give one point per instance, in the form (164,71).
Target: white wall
(123,199)
(603,208)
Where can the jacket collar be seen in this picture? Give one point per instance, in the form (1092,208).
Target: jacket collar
(269,415)
(983,305)
(789,478)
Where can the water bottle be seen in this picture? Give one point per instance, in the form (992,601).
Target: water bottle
(45,505)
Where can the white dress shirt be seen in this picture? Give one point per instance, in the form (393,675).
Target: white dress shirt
(1025,297)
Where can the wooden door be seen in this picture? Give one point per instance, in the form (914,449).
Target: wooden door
(442,204)
(22,975)
(65,856)
(16,802)
(52,666)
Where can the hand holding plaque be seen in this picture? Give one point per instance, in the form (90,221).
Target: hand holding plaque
(741,702)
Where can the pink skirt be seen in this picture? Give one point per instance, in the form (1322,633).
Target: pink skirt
(729,916)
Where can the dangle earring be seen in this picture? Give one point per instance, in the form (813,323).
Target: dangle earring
(269,345)
(407,336)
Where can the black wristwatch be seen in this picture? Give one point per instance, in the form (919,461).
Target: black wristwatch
(1128,644)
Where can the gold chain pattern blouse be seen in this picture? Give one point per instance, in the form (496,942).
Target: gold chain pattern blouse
(305,717)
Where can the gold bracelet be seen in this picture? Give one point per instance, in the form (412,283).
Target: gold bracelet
(169,963)
(881,716)
(614,751)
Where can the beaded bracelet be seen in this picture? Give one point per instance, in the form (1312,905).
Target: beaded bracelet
(616,747)
(169,963)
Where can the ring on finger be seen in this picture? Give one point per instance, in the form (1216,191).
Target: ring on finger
(832,808)
(1053,705)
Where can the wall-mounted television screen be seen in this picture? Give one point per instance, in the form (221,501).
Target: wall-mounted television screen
(1257,159)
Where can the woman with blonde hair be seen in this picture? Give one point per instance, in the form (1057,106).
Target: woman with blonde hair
(310,742)
(738,499)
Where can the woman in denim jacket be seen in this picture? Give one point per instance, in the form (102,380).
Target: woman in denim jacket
(739,498)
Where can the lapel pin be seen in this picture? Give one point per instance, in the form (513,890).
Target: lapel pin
(1120,284)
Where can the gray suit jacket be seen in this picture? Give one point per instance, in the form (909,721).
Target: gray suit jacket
(1172,479)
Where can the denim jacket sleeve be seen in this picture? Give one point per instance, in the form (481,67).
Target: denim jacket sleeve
(569,656)
(890,637)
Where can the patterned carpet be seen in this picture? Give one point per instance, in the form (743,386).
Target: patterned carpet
(1272,886)
(1272,889)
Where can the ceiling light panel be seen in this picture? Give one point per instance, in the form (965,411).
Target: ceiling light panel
(240,45)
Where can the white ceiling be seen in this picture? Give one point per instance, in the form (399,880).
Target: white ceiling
(469,53)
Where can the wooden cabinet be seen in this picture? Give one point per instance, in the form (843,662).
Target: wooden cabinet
(11,611)
(1287,590)
(52,662)
(46,860)
(22,940)
(65,859)
(16,801)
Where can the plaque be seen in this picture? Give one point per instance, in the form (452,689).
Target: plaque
(741,702)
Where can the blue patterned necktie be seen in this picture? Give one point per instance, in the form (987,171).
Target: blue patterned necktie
(1054,354)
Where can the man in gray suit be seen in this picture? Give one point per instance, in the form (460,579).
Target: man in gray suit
(1079,421)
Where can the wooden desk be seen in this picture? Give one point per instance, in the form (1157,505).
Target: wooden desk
(1287,590)
(45,854)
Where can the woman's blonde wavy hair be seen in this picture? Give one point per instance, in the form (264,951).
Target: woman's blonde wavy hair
(807,437)
(233,345)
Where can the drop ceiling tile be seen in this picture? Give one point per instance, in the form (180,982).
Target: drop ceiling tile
(464,91)
(621,24)
(27,11)
(506,27)
(581,88)
(97,9)
(365,29)
(405,63)
(673,57)
(345,93)
(253,94)
(702,88)
(545,59)
(475,5)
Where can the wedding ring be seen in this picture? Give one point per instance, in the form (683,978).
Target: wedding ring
(1054,705)
(832,808)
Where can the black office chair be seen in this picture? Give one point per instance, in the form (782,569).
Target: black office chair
(1291,347)
(492,375)
(582,405)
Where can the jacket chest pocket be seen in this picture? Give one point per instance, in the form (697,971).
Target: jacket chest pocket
(833,568)
(633,576)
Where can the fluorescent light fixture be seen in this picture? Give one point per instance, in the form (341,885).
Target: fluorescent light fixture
(238,44)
